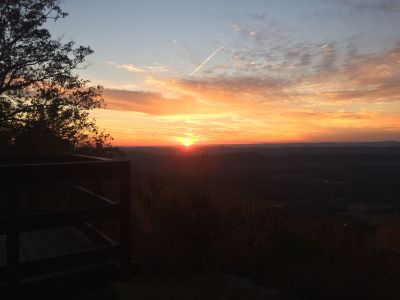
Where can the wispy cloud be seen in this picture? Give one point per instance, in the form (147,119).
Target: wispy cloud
(155,68)
(152,103)
(351,79)
(350,8)
(131,68)
(386,6)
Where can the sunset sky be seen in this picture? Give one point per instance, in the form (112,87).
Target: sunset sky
(218,72)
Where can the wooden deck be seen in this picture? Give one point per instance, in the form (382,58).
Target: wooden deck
(62,231)
(48,243)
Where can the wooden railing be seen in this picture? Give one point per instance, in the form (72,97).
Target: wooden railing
(70,172)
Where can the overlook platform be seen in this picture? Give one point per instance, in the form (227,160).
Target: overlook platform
(61,215)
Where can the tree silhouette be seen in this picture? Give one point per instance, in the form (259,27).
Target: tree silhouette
(44,105)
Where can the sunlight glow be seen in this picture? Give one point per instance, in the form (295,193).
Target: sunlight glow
(186,141)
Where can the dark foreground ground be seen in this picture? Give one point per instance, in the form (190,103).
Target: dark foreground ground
(213,286)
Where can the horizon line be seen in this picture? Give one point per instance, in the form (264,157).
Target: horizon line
(264,143)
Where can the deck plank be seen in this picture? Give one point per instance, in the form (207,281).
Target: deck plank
(79,238)
(53,239)
(71,244)
(3,250)
(29,247)
(22,254)
(42,244)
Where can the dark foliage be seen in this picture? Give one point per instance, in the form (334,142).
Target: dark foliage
(319,227)
(192,231)
(44,105)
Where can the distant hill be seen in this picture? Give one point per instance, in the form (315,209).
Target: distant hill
(389,147)
(351,173)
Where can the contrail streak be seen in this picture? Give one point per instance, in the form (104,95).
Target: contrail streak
(206,60)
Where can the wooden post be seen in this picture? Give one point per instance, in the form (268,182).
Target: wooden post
(98,189)
(12,236)
(125,229)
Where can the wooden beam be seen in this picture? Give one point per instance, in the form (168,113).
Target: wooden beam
(60,172)
(60,218)
(125,221)
(12,242)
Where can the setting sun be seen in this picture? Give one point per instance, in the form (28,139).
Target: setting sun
(186,141)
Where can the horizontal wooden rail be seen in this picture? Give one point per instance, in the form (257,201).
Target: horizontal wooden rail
(60,172)
(59,218)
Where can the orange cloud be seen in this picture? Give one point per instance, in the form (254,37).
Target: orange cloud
(326,98)
(152,103)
